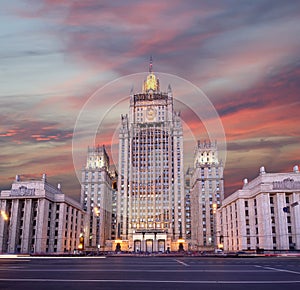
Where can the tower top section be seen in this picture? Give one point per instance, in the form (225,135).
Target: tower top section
(97,157)
(151,84)
(206,153)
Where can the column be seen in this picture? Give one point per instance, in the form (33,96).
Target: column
(295,211)
(143,244)
(281,222)
(41,229)
(3,224)
(27,227)
(264,221)
(155,243)
(13,226)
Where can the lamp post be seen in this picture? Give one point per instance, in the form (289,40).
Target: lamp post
(214,210)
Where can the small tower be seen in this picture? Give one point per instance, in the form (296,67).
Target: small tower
(96,198)
(207,193)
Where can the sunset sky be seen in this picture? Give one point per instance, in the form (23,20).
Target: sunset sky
(55,54)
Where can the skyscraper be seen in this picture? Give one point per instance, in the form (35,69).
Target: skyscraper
(150,200)
(97,196)
(206,193)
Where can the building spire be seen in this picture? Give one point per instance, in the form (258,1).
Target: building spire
(150,65)
(152,82)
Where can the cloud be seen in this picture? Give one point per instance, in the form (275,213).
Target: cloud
(34,131)
(243,54)
(261,144)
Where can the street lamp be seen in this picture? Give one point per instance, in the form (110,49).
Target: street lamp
(4,215)
(81,242)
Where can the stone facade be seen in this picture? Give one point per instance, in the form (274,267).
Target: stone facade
(98,200)
(263,215)
(37,217)
(151,203)
(206,193)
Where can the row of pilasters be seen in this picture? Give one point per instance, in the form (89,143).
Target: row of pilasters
(17,215)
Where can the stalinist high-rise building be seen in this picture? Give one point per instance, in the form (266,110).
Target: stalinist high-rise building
(150,201)
(97,198)
(206,195)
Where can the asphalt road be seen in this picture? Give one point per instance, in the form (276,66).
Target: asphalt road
(150,273)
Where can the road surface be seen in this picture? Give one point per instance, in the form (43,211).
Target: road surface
(149,273)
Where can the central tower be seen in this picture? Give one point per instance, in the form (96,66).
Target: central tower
(150,203)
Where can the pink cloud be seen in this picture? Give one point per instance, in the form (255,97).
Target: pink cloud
(9,133)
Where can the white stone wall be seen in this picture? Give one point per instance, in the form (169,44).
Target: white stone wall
(207,188)
(267,225)
(31,232)
(160,205)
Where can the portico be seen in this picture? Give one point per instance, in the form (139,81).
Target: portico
(149,241)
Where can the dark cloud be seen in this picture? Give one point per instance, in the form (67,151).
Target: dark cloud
(262,144)
(279,87)
(25,53)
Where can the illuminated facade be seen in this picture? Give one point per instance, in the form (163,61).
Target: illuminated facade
(37,217)
(206,195)
(150,203)
(97,198)
(188,213)
(262,216)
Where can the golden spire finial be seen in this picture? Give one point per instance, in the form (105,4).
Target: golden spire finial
(150,65)
(151,83)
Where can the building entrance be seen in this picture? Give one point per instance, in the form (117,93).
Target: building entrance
(161,245)
(149,246)
(149,241)
(137,245)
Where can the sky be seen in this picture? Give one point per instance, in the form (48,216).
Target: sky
(55,55)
